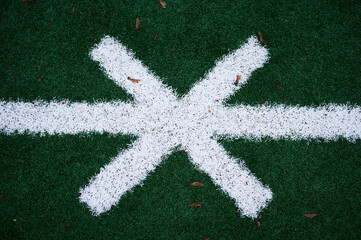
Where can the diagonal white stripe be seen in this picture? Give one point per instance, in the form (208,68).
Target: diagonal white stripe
(67,118)
(233,178)
(119,64)
(124,172)
(219,83)
(328,122)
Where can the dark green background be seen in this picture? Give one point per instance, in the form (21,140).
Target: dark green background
(314,59)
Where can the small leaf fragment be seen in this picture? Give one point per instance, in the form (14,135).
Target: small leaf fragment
(260,37)
(133,80)
(258,223)
(196,184)
(155,37)
(68,225)
(237,80)
(73,9)
(2,196)
(164,5)
(27,1)
(310,215)
(195,205)
(204,238)
(40,79)
(137,22)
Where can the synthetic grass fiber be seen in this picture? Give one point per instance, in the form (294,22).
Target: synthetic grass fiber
(314,60)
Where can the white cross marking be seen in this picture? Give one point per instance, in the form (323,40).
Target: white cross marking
(162,122)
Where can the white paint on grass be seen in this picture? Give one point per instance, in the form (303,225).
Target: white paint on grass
(66,118)
(328,122)
(162,122)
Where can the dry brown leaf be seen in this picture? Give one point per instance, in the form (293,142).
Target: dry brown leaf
(260,37)
(27,1)
(195,205)
(237,80)
(258,223)
(137,22)
(204,238)
(164,5)
(133,80)
(310,215)
(196,184)
(73,10)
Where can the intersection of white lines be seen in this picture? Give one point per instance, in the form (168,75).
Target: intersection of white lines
(162,122)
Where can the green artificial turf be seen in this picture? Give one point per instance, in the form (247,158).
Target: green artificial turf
(315,59)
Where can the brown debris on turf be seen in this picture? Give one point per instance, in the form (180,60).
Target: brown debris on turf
(258,223)
(310,215)
(196,184)
(204,238)
(164,5)
(260,37)
(237,80)
(195,205)
(137,22)
(73,9)
(133,80)
(27,1)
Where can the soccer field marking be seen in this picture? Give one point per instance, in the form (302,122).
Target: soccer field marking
(162,122)
(66,118)
(329,122)
(125,171)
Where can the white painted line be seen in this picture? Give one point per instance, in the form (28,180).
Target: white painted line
(67,118)
(119,64)
(233,178)
(124,172)
(219,83)
(162,121)
(329,122)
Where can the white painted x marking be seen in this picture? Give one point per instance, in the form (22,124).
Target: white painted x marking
(162,122)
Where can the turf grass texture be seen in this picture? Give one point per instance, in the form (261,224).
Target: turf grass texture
(314,59)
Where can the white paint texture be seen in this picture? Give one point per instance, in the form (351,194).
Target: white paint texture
(162,122)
